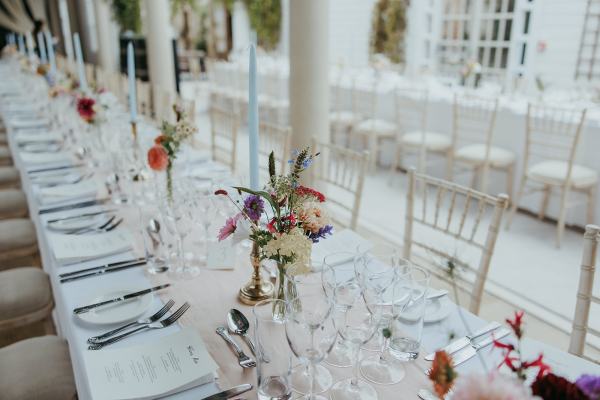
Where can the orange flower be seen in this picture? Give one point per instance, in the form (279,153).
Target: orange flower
(158,159)
(442,373)
(159,139)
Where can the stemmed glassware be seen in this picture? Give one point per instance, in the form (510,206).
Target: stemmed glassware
(302,282)
(356,323)
(378,275)
(311,332)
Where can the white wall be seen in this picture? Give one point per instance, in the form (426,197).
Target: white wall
(349,31)
(559,23)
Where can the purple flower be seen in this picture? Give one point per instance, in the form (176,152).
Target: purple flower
(254,207)
(590,385)
(321,234)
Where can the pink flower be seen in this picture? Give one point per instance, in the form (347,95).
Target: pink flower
(158,159)
(493,386)
(229,228)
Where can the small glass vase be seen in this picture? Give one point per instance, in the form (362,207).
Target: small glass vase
(284,290)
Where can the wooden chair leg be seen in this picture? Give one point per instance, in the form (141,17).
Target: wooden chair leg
(560,229)
(591,210)
(515,203)
(545,201)
(396,162)
(510,181)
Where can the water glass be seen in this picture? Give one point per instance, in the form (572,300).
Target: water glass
(274,376)
(407,324)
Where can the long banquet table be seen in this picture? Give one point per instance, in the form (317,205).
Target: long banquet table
(211,295)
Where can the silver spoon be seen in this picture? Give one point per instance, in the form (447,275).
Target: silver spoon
(154,229)
(238,324)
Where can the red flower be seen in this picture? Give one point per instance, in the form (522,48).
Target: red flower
(85,108)
(159,139)
(501,345)
(306,191)
(509,361)
(442,373)
(516,324)
(158,159)
(221,192)
(552,387)
(539,363)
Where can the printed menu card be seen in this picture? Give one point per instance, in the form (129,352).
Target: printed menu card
(157,368)
(70,249)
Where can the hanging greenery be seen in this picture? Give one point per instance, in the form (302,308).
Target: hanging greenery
(265,19)
(388,29)
(127,15)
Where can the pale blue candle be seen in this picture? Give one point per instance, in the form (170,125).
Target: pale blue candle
(253,119)
(51,57)
(131,76)
(80,66)
(42,46)
(21,44)
(30,53)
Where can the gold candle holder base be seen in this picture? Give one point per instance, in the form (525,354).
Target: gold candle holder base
(256,289)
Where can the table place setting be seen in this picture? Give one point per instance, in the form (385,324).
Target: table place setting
(70,249)
(60,190)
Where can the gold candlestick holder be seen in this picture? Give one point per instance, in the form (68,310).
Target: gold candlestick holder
(256,289)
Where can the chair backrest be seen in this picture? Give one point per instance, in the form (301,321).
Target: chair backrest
(275,138)
(364,96)
(189,107)
(585,296)
(90,73)
(411,109)
(553,133)
(144,98)
(224,130)
(474,120)
(453,214)
(340,173)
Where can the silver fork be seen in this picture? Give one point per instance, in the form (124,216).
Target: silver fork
(243,359)
(154,325)
(144,321)
(107,227)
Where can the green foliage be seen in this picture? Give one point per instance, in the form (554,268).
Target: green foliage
(265,19)
(388,29)
(178,5)
(127,14)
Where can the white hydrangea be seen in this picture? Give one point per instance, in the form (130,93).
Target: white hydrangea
(293,244)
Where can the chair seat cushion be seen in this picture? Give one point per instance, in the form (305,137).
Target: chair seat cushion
(16,233)
(343,118)
(23,291)
(555,173)
(377,126)
(475,154)
(13,203)
(9,176)
(433,141)
(37,368)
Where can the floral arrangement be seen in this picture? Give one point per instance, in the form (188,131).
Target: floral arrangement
(497,386)
(88,109)
(166,146)
(294,219)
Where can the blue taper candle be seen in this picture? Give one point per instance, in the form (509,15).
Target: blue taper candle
(253,119)
(80,66)
(51,57)
(42,46)
(131,78)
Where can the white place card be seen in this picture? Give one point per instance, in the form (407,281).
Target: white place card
(70,249)
(221,255)
(157,368)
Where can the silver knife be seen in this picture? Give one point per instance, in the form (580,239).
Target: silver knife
(103,266)
(466,340)
(234,391)
(84,309)
(470,351)
(103,271)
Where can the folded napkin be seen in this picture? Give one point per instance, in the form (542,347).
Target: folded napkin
(37,136)
(22,123)
(86,189)
(43,158)
(69,249)
(345,241)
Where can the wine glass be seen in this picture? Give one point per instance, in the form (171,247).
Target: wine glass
(377,276)
(178,217)
(300,282)
(338,271)
(356,323)
(310,332)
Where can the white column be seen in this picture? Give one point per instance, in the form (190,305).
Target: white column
(309,71)
(284,42)
(159,44)
(106,44)
(241,27)
(63,10)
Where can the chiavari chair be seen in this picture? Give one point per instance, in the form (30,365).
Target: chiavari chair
(275,138)
(224,127)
